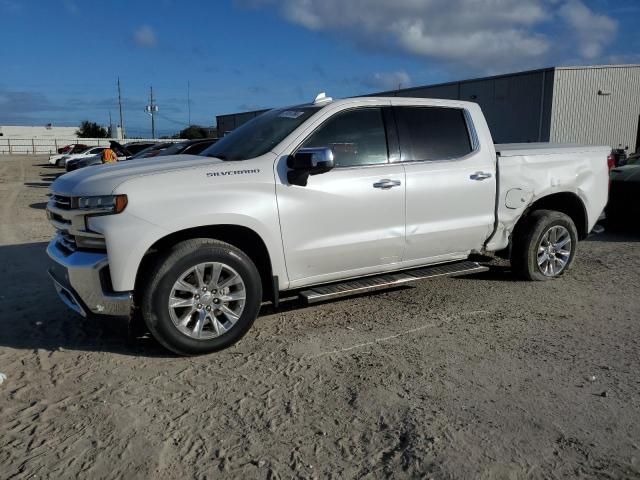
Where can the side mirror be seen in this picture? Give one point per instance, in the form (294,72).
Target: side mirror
(309,161)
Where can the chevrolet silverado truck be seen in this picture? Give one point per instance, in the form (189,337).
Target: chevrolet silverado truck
(319,200)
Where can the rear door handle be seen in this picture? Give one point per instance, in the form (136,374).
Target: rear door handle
(386,184)
(480,176)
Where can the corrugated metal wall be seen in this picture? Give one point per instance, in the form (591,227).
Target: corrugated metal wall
(581,115)
(517,106)
(226,123)
(558,105)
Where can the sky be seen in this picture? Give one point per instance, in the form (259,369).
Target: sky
(60,59)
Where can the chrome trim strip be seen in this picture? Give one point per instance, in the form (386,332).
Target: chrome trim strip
(64,295)
(84,283)
(382,281)
(471,128)
(473,140)
(76,211)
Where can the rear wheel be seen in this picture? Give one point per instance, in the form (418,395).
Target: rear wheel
(60,163)
(544,245)
(203,296)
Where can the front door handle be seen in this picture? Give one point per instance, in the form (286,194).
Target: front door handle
(386,184)
(480,176)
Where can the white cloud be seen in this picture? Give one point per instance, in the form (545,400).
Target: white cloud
(592,31)
(388,80)
(145,37)
(473,34)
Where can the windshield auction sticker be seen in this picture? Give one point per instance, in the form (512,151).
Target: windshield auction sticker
(290,114)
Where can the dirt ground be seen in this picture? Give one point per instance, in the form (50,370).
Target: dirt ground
(477,377)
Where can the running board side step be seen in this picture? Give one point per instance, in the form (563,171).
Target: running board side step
(389,280)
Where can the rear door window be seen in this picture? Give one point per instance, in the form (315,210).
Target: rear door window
(432,133)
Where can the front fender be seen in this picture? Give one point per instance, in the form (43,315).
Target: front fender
(160,205)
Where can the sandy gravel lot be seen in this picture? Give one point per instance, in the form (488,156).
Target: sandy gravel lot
(476,377)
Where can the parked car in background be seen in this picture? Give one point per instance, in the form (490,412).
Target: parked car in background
(69,150)
(130,149)
(620,155)
(623,209)
(191,147)
(89,152)
(73,148)
(124,152)
(152,151)
(633,159)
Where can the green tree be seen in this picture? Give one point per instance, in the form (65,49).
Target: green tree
(91,130)
(193,132)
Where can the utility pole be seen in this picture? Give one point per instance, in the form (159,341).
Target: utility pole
(110,125)
(189,100)
(120,105)
(153,117)
(151,109)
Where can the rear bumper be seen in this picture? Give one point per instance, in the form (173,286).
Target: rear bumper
(82,282)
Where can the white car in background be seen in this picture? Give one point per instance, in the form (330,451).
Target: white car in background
(61,160)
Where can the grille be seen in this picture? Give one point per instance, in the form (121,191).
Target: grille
(61,202)
(59,219)
(69,221)
(67,241)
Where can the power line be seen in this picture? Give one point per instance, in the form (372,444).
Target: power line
(177,122)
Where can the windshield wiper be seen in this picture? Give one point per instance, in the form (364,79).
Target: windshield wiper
(221,157)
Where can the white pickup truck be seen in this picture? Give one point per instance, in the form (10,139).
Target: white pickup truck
(321,200)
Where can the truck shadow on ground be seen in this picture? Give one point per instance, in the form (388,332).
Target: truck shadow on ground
(617,234)
(32,316)
(500,271)
(496,273)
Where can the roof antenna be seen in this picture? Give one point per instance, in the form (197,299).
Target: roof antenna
(322,98)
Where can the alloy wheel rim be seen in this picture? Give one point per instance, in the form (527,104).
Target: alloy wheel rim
(554,251)
(207,300)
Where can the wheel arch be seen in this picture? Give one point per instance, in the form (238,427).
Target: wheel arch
(241,237)
(565,202)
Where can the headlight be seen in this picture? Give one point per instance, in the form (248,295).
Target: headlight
(103,203)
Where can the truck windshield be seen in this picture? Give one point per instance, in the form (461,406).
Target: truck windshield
(259,135)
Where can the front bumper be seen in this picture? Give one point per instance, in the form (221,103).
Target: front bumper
(82,281)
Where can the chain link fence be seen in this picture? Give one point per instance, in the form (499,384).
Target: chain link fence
(34,146)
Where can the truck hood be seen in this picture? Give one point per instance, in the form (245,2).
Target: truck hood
(103,179)
(627,173)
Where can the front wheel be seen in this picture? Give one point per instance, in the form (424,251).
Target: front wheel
(202,296)
(60,163)
(544,245)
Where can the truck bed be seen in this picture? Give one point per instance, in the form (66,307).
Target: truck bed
(531,171)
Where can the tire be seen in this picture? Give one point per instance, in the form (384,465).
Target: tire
(531,237)
(59,163)
(201,326)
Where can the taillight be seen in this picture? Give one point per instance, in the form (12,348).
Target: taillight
(611,161)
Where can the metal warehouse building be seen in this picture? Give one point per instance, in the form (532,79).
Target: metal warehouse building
(597,105)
